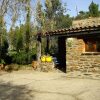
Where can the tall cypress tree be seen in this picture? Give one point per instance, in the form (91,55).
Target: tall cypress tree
(27,33)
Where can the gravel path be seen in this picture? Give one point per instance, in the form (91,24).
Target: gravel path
(30,85)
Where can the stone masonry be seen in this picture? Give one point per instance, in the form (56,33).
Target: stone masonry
(79,60)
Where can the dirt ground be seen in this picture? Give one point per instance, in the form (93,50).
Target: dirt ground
(31,85)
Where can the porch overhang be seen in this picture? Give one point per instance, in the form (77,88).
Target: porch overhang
(90,31)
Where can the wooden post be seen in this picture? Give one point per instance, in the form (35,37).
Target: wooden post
(38,48)
(47,45)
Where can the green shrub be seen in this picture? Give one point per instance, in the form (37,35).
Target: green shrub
(22,58)
(3,51)
(2,61)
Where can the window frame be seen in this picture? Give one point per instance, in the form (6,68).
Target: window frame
(92,42)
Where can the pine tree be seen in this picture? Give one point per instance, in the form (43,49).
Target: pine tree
(94,10)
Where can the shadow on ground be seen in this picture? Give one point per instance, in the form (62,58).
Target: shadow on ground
(9,91)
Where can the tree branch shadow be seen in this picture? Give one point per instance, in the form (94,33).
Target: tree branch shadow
(9,91)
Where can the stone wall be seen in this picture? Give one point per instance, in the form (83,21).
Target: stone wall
(78,59)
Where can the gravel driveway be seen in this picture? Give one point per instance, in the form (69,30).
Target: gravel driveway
(30,85)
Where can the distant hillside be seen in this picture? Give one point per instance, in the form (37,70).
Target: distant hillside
(86,22)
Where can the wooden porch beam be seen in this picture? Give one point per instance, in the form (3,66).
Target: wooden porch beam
(39,48)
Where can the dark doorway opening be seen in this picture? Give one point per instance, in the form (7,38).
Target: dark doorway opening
(61,55)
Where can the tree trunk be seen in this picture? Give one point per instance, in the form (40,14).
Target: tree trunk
(38,48)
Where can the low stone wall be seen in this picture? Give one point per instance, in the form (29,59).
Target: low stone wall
(46,66)
(77,59)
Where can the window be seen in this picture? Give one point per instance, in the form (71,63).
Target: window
(92,45)
(98,45)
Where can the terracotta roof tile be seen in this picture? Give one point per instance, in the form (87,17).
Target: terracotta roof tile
(71,30)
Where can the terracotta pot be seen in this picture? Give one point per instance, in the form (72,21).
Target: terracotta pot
(1,66)
(34,64)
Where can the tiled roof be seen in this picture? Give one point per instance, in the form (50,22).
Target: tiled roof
(73,31)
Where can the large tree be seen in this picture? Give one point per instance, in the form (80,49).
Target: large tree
(94,9)
(93,12)
(56,19)
(55,12)
(51,17)
(27,33)
(3,10)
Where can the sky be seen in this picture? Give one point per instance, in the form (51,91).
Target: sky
(71,5)
(81,5)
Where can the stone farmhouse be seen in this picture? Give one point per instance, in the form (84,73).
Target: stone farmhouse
(78,46)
